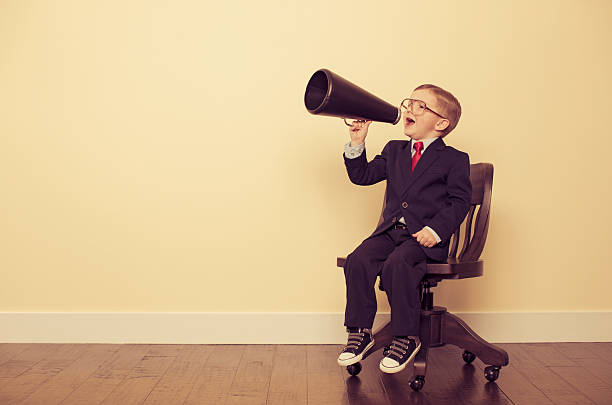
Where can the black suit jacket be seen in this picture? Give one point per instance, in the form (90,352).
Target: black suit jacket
(438,193)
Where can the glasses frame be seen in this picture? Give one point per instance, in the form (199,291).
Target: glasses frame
(426,108)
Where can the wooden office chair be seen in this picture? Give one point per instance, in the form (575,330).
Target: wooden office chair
(437,326)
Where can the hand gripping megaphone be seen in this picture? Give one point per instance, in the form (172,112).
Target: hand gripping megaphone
(330,94)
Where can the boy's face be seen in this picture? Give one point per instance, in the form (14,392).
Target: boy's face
(428,124)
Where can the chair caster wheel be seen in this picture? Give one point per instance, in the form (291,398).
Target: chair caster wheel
(417,382)
(491,372)
(468,357)
(354,369)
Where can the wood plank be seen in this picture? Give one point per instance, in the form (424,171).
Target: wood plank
(26,359)
(551,384)
(179,380)
(575,350)
(164,350)
(216,377)
(599,367)
(252,380)
(326,384)
(58,387)
(135,388)
(593,387)
(289,380)
(547,354)
(10,350)
(601,350)
(108,375)
(514,384)
(57,359)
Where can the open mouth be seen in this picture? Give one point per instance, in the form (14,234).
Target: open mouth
(409,122)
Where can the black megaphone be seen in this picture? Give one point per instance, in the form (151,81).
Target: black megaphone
(327,93)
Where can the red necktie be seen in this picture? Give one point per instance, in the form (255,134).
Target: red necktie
(418,146)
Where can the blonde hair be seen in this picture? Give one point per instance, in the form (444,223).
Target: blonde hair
(449,104)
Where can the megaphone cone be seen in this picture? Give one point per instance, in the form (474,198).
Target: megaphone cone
(330,94)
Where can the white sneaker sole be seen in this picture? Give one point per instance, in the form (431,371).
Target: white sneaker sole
(356,359)
(391,370)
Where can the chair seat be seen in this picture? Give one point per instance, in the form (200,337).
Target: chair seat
(453,269)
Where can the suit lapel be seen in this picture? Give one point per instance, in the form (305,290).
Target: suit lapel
(427,159)
(402,168)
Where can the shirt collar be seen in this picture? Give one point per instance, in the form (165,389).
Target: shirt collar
(426,143)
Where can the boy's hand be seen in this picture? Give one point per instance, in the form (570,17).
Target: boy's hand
(358,131)
(425,238)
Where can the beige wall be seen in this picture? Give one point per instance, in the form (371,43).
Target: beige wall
(157,155)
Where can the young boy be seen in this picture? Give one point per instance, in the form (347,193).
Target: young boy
(428,195)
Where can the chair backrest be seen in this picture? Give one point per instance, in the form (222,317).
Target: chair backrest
(475,234)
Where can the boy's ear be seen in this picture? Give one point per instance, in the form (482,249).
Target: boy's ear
(442,124)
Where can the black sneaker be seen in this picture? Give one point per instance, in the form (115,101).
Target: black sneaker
(360,340)
(401,351)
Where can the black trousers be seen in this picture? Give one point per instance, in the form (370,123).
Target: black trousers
(401,262)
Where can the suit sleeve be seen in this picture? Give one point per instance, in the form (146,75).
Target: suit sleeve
(364,173)
(459,200)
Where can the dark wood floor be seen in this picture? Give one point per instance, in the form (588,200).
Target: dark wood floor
(68,374)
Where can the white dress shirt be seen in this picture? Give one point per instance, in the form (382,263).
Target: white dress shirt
(352,152)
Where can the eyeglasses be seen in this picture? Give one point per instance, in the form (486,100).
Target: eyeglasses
(417,107)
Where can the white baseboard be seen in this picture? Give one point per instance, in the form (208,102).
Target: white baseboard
(278,327)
